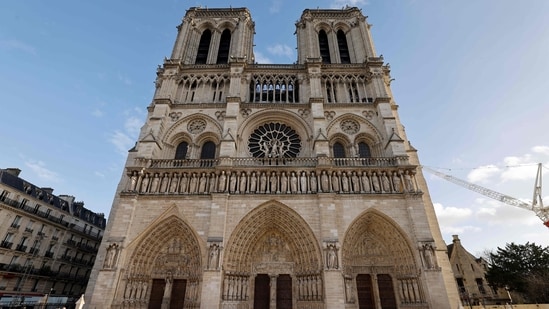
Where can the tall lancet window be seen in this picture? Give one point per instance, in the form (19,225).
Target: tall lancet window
(343,48)
(224,46)
(324,47)
(203,47)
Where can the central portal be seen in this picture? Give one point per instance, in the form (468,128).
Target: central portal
(270,290)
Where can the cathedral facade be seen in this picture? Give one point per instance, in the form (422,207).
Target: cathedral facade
(272,185)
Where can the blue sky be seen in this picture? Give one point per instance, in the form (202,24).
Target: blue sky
(470,80)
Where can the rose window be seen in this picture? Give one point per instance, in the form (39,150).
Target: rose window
(274,140)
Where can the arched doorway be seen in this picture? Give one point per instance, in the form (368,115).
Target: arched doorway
(272,259)
(165,268)
(380,270)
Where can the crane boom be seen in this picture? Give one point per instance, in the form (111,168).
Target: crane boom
(536,206)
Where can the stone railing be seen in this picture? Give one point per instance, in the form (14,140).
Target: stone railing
(274,176)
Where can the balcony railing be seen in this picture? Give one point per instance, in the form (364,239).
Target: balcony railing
(281,162)
(21,248)
(6,244)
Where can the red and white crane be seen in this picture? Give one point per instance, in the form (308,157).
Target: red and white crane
(537,203)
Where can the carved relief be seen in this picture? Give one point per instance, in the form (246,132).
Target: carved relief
(111,257)
(329,115)
(349,126)
(196,126)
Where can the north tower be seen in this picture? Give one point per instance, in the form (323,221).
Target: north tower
(272,186)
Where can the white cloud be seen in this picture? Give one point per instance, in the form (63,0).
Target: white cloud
(281,50)
(541,150)
(483,173)
(133,125)
(121,141)
(262,59)
(97,113)
(39,168)
(448,216)
(18,45)
(342,3)
(124,79)
(275,6)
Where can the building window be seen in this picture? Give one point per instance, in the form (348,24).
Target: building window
(203,47)
(480,285)
(224,46)
(16,222)
(208,150)
(364,150)
(343,48)
(324,47)
(339,150)
(181,151)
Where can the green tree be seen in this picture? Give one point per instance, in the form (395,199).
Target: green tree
(521,268)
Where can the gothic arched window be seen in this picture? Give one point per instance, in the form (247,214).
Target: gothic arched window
(339,150)
(203,47)
(364,150)
(181,151)
(224,45)
(208,150)
(324,46)
(343,48)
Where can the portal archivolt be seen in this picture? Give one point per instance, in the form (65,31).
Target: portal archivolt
(379,264)
(273,244)
(165,267)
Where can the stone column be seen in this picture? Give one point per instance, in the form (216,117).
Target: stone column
(273,291)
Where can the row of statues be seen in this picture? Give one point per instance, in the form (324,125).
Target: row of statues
(235,287)
(309,287)
(291,182)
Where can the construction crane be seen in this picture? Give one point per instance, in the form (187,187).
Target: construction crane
(537,203)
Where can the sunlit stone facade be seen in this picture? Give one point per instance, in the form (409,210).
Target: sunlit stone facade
(272,186)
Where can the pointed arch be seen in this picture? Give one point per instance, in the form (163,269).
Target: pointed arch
(203,47)
(324,46)
(298,243)
(344,55)
(376,241)
(170,236)
(224,47)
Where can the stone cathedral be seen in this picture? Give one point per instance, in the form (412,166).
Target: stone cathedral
(281,186)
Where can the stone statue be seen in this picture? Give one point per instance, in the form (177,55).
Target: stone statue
(133,181)
(262,183)
(375,183)
(242,186)
(324,182)
(214,257)
(222,183)
(396,182)
(303,182)
(202,183)
(184,183)
(212,183)
(356,182)
(164,183)
(293,183)
(335,182)
(253,182)
(365,182)
(173,183)
(155,183)
(232,182)
(331,257)
(194,183)
(385,182)
(409,183)
(313,181)
(145,183)
(274,182)
(283,183)
(345,182)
